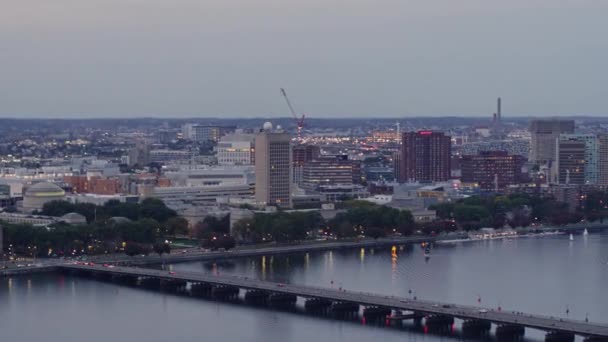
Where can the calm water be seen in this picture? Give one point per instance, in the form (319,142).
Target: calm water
(537,275)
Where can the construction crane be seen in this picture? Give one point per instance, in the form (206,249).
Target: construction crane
(299,120)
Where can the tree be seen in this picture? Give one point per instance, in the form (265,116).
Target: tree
(443,210)
(177,226)
(155,209)
(134,248)
(374,232)
(405,222)
(161,248)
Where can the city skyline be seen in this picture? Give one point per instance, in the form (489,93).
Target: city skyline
(217,59)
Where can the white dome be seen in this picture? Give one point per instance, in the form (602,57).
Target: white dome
(279,127)
(267,126)
(38,194)
(44,189)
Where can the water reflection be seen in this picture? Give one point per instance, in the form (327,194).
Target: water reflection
(460,273)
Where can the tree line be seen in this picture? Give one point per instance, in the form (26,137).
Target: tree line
(148,224)
(521,210)
(360,219)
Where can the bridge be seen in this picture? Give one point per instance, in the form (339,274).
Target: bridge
(376,306)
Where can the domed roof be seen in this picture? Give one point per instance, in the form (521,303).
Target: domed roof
(44,189)
(74,218)
(119,220)
(267,126)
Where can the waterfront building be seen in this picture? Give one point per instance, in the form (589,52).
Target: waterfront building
(602,160)
(492,170)
(178,197)
(273,167)
(591,154)
(544,134)
(424,157)
(331,170)
(570,167)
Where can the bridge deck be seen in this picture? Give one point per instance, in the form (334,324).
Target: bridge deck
(368,299)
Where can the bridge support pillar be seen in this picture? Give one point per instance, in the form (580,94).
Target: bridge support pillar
(476,327)
(557,336)
(282,300)
(595,339)
(317,305)
(255,297)
(173,285)
(510,332)
(228,293)
(345,309)
(202,290)
(376,313)
(439,322)
(125,279)
(150,283)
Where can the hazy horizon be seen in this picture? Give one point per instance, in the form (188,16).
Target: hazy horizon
(362,58)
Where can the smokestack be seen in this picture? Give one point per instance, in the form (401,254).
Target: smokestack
(498,115)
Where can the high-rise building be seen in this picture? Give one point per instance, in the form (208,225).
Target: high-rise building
(236,149)
(424,157)
(602,176)
(492,170)
(544,134)
(570,165)
(273,167)
(591,154)
(303,154)
(331,170)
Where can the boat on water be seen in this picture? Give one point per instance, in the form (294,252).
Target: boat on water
(571,237)
(586,232)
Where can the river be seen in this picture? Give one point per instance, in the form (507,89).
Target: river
(549,275)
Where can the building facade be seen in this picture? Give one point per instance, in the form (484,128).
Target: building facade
(236,149)
(424,157)
(303,154)
(273,168)
(332,170)
(602,176)
(544,134)
(570,164)
(591,154)
(492,170)
(202,133)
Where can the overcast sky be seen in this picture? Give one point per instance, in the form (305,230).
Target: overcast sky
(336,58)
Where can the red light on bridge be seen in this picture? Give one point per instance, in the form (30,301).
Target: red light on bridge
(425,132)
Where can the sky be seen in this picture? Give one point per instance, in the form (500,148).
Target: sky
(335,58)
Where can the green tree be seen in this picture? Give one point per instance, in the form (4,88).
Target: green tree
(177,226)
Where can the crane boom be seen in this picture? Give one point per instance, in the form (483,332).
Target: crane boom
(293,112)
(299,121)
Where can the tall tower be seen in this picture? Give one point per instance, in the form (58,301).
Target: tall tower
(273,167)
(498,109)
